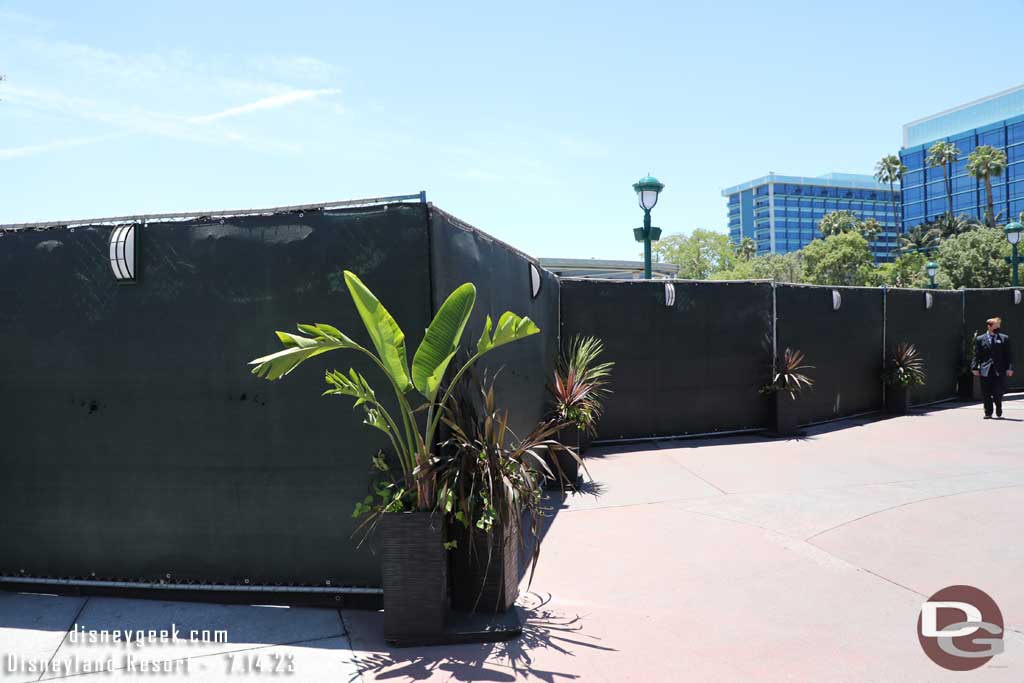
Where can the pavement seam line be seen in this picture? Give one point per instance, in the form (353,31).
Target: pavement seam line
(908,503)
(351,649)
(694,474)
(64,639)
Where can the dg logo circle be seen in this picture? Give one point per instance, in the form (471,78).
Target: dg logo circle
(960,628)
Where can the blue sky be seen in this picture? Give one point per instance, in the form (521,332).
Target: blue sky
(529,120)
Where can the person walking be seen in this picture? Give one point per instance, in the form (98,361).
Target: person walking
(993,362)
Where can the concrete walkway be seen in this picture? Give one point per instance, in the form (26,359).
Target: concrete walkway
(707,560)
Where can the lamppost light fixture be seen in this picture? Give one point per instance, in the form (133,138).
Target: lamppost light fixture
(932,268)
(1013,231)
(647,190)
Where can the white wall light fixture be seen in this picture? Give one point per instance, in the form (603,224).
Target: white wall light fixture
(837,299)
(535,281)
(124,252)
(670,294)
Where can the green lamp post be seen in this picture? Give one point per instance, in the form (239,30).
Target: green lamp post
(647,190)
(1013,231)
(932,269)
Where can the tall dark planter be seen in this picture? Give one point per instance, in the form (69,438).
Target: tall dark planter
(965,387)
(784,415)
(897,400)
(414,568)
(481,583)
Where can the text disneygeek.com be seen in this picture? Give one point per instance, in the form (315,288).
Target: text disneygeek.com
(135,664)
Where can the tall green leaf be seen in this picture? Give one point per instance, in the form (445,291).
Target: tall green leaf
(387,336)
(510,328)
(323,338)
(441,340)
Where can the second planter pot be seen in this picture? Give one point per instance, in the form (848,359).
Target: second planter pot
(897,400)
(414,569)
(784,419)
(485,579)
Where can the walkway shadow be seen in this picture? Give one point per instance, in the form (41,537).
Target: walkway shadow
(545,630)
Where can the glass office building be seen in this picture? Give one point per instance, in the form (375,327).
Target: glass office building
(998,121)
(781,213)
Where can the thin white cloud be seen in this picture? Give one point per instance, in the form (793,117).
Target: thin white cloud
(263,104)
(53,145)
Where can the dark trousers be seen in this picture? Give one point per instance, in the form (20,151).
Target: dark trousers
(992,389)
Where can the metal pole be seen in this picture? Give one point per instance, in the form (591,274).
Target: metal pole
(1015,260)
(647,245)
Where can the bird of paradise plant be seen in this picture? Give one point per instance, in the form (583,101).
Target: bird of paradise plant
(412,440)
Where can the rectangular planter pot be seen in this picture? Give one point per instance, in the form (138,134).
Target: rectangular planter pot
(784,415)
(897,400)
(965,387)
(414,569)
(483,585)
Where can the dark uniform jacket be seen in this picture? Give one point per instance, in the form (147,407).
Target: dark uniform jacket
(992,354)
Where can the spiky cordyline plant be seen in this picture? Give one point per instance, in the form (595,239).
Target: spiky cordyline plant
(788,375)
(580,384)
(487,476)
(904,367)
(412,445)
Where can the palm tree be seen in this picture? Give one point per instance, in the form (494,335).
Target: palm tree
(948,225)
(944,154)
(746,249)
(984,163)
(890,169)
(922,238)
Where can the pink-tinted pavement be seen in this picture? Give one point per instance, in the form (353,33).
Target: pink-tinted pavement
(749,559)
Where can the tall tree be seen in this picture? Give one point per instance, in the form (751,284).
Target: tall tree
(975,259)
(944,154)
(984,163)
(840,259)
(839,222)
(948,225)
(920,239)
(787,267)
(746,249)
(698,255)
(890,170)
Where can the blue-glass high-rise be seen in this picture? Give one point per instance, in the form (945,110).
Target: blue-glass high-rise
(998,121)
(781,213)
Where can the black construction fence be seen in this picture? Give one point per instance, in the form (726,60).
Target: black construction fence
(692,361)
(137,445)
(139,450)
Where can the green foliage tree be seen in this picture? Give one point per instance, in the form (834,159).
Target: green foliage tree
(746,249)
(698,255)
(908,270)
(948,225)
(921,238)
(839,259)
(890,170)
(984,163)
(839,222)
(779,267)
(944,154)
(974,259)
